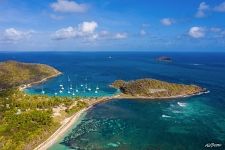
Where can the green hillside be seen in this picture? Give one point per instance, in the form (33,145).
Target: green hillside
(155,88)
(27,120)
(14,73)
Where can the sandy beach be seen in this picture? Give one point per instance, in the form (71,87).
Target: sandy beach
(66,124)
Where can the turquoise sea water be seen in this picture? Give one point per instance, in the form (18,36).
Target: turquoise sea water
(177,124)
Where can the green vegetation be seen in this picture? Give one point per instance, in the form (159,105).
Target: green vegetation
(154,88)
(26,120)
(76,108)
(14,73)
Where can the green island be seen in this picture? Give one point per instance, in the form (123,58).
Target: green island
(154,89)
(37,121)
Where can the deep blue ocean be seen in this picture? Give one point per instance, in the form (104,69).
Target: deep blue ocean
(176,124)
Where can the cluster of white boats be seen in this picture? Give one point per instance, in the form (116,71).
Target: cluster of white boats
(81,88)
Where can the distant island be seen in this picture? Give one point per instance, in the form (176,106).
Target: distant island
(164,58)
(154,89)
(37,121)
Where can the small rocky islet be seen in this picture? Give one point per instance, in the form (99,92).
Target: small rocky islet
(164,59)
(152,89)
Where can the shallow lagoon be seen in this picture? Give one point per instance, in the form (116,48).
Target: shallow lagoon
(138,124)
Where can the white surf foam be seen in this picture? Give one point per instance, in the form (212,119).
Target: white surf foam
(166,116)
(113,144)
(197,64)
(182,104)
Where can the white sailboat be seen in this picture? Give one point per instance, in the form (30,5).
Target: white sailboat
(68,78)
(55,93)
(60,91)
(76,90)
(71,87)
(89,89)
(68,91)
(42,91)
(96,91)
(73,93)
(97,88)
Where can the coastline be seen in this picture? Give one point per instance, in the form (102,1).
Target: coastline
(25,86)
(69,121)
(124,96)
(66,124)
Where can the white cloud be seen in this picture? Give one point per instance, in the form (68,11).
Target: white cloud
(65,33)
(215,29)
(196,32)
(167,21)
(85,29)
(203,7)
(104,33)
(220,7)
(88,27)
(93,37)
(121,35)
(143,32)
(68,6)
(13,35)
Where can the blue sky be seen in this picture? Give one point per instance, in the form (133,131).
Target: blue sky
(112,25)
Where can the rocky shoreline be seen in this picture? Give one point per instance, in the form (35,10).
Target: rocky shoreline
(123,96)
